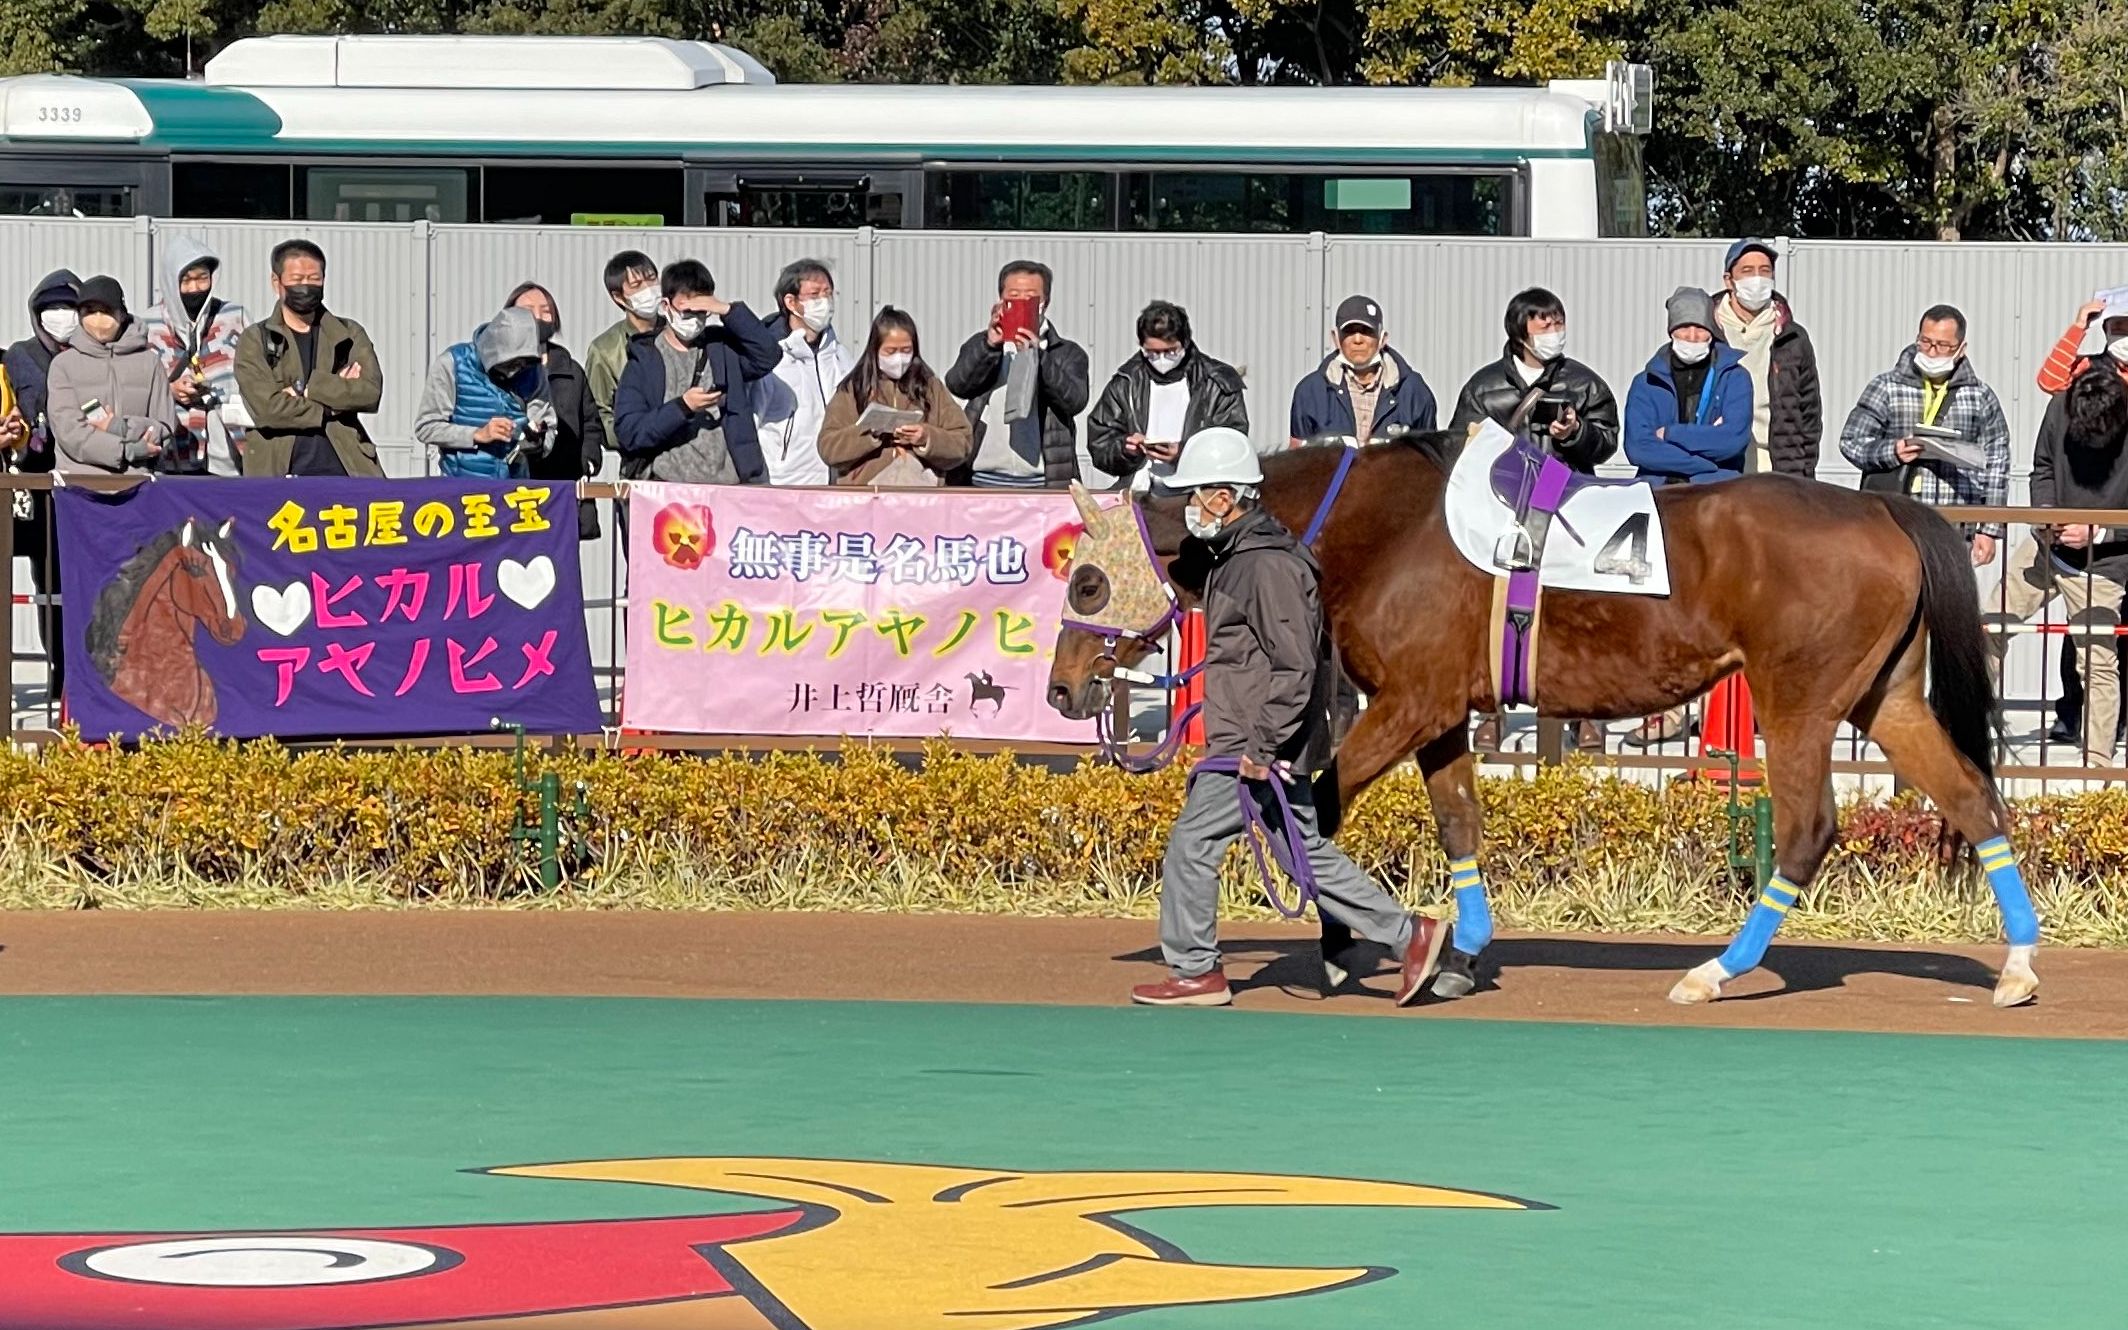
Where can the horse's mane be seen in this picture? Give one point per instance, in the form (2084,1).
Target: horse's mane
(114,604)
(1441,447)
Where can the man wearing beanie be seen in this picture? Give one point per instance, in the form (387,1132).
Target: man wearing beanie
(109,401)
(1688,420)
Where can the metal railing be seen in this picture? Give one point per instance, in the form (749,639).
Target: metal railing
(2027,753)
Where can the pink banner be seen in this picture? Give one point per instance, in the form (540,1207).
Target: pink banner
(812,612)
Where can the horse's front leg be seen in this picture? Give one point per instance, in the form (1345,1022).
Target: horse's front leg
(1452,788)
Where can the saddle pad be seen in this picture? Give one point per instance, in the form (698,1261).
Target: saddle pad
(1607,535)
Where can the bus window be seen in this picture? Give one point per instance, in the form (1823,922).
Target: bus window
(1434,203)
(552,195)
(231,189)
(827,201)
(1621,186)
(1020,200)
(67,201)
(386,194)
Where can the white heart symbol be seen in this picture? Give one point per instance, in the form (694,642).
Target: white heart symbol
(526,583)
(282,611)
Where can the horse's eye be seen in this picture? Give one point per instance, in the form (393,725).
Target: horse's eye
(1089,590)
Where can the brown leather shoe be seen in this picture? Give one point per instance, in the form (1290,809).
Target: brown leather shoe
(1205,990)
(1487,737)
(1422,958)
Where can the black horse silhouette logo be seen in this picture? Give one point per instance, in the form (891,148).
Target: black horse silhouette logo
(982,688)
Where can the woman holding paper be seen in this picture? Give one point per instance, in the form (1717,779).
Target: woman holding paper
(892,423)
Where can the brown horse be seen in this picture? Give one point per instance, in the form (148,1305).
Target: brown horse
(140,637)
(1835,605)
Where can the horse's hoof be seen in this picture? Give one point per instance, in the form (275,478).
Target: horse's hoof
(1457,977)
(2018,982)
(1702,983)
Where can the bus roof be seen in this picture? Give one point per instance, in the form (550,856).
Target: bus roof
(639,98)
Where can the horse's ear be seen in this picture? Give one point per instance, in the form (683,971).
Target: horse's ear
(1090,513)
(226,528)
(189,536)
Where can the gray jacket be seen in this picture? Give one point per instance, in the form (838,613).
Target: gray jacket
(510,335)
(1267,671)
(132,395)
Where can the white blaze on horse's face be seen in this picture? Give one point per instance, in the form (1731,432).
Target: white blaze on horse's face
(212,548)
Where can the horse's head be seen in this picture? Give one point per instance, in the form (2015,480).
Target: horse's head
(206,590)
(1117,603)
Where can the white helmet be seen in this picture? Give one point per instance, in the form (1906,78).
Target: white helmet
(1216,456)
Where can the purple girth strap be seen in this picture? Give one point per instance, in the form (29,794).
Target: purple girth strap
(1517,688)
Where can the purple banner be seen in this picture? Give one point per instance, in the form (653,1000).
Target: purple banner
(313,608)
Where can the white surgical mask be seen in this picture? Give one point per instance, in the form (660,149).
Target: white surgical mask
(894,364)
(1361,365)
(644,303)
(1200,525)
(1549,345)
(59,324)
(1754,293)
(2118,349)
(818,313)
(1165,362)
(1935,367)
(686,326)
(1688,352)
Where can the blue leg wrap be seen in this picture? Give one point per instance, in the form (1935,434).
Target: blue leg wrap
(1474,917)
(2019,923)
(1752,939)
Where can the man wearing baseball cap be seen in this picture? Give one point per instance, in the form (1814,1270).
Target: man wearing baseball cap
(1266,712)
(1363,390)
(1788,413)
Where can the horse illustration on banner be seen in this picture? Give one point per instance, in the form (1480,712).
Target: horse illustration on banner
(141,635)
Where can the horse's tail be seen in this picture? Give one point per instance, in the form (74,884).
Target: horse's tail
(1961,689)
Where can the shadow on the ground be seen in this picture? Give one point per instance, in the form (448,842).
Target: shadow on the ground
(1295,965)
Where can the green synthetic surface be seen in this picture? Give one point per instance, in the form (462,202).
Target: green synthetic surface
(1724,1178)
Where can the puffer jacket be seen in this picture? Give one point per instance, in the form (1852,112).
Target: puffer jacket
(1063,384)
(205,348)
(459,399)
(1268,678)
(1795,426)
(29,365)
(1496,393)
(105,399)
(1322,402)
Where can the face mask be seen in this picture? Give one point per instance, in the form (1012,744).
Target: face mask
(510,377)
(1754,293)
(194,302)
(1200,525)
(687,327)
(817,313)
(1165,362)
(58,324)
(548,330)
(1549,346)
(644,303)
(1361,365)
(894,364)
(303,300)
(2118,349)
(1690,353)
(1935,367)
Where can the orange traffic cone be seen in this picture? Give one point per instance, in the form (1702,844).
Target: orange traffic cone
(1189,652)
(1727,725)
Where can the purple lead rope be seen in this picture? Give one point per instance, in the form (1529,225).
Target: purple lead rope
(1254,826)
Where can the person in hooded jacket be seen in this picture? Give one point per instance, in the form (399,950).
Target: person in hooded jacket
(485,407)
(1363,390)
(54,315)
(579,432)
(194,333)
(108,399)
(1167,393)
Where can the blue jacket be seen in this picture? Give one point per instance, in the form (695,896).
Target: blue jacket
(739,353)
(29,364)
(1322,405)
(1701,451)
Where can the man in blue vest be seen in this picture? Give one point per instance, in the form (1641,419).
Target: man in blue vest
(485,407)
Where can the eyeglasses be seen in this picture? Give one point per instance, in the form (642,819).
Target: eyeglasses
(1930,346)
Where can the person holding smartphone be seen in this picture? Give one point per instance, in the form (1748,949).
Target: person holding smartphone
(1166,393)
(892,374)
(684,408)
(1536,389)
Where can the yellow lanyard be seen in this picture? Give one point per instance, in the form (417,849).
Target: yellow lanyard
(1933,395)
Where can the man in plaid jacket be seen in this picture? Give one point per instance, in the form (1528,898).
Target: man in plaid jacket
(1934,386)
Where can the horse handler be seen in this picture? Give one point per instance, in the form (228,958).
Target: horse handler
(1268,684)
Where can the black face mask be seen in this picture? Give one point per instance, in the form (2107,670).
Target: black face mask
(304,300)
(194,302)
(548,330)
(510,377)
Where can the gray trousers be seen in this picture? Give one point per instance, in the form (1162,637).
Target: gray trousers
(1189,875)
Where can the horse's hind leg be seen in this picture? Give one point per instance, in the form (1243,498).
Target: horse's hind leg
(1451,786)
(1799,777)
(1906,728)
